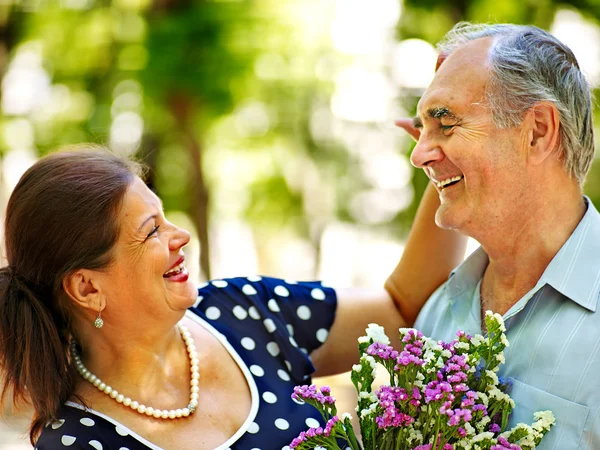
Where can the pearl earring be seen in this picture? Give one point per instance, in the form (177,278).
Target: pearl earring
(99,323)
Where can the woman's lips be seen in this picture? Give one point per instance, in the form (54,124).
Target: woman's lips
(178,277)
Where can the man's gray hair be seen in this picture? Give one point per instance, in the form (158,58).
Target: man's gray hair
(527,66)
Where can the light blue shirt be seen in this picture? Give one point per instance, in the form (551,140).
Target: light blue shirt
(554,335)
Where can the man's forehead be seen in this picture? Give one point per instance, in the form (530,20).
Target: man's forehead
(459,82)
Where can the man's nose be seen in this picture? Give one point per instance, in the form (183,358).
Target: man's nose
(426,152)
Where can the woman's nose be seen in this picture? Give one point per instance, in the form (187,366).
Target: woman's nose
(179,238)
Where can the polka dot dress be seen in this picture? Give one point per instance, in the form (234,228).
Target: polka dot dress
(270,326)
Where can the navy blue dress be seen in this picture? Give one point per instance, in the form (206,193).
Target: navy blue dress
(269,326)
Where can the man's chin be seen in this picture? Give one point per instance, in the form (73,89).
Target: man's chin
(448,218)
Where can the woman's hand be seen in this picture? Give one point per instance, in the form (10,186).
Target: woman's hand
(429,256)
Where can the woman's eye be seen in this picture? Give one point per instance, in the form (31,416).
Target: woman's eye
(447,127)
(154,230)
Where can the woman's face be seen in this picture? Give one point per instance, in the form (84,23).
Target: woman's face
(147,274)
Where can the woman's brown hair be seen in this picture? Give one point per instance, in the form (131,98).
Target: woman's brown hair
(61,216)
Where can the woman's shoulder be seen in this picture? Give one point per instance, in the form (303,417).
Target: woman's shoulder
(77,427)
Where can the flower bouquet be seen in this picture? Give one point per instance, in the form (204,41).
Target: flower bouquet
(441,396)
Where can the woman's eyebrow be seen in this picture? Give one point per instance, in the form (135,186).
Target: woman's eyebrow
(153,216)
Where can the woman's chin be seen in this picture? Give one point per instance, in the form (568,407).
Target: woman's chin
(183,294)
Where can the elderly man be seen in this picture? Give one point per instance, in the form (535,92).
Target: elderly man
(505,135)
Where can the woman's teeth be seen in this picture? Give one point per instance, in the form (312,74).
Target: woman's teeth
(175,270)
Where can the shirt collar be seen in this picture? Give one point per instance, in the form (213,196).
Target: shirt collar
(574,271)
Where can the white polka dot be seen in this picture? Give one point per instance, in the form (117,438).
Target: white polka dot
(287,447)
(123,448)
(248,343)
(257,370)
(273,348)
(67,440)
(203,285)
(317,294)
(282,424)
(291,281)
(198,300)
(239,312)
(299,401)
(254,278)
(270,325)
(273,306)
(283,375)
(87,422)
(303,350)
(312,423)
(213,313)
(293,342)
(97,445)
(253,428)
(248,290)
(290,329)
(281,291)
(121,431)
(253,312)
(325,284)
(269,397)
(59,423)
(322,335)
(289,366)
(303,312)
(219,283)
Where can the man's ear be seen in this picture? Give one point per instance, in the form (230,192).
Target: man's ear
(82,287)
(543,132)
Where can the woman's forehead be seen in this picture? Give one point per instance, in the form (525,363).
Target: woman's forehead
(139,201)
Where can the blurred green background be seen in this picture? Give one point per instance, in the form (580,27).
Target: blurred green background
(267,125)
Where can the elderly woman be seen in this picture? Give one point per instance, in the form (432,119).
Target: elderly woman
(105,333)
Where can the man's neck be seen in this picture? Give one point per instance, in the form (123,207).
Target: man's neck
(520,254)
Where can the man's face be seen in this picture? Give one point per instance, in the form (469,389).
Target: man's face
(478,169)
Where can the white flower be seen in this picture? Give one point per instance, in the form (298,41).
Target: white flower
(356,367)
(492,376)
(447,353)
(483,423)
(482,436)
(477,340)
(377,333)
(545,419)
(364,340)
(504,340)
(346,416)
(500,358)
(461,346)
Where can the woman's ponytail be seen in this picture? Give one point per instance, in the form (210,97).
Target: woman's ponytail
(33,353)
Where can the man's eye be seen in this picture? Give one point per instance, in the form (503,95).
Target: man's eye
(154,230)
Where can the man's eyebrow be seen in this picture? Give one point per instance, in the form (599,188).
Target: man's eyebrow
(440,112)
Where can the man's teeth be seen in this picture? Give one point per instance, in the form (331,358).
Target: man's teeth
(175,269)
(447,181)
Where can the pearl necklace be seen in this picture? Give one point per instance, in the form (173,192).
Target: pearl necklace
(136,406)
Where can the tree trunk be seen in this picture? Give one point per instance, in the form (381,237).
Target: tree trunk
(182,109)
